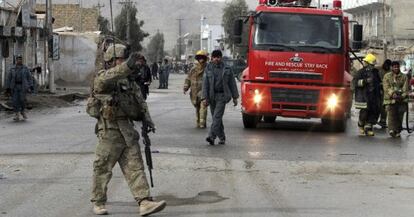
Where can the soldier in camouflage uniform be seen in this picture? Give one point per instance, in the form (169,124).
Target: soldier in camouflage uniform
(194,83)
(395,98)
(118,140)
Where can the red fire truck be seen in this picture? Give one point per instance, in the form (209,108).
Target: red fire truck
(298,63)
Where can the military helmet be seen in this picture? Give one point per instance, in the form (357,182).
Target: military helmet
(371,59)
(201,54)
(118,52)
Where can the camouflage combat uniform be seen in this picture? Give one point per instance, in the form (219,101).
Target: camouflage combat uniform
(118,140)
(194,82)
(393,84)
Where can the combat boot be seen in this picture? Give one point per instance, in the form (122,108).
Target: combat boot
(100,209)
(148,207)
(24,115)
(392,133)
(16,116)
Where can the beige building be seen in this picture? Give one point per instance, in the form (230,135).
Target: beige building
(384,19)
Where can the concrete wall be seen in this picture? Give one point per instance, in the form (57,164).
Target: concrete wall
(402,20)
(77,58)
(399,25)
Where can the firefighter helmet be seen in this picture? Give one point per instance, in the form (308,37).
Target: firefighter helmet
(370,58)
(201,54)
(118,52)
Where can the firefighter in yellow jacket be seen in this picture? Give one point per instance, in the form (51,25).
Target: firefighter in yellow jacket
(194,83)
(395,98)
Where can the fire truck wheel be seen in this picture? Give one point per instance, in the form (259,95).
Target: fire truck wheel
(335,125)
(269,119)
(250,121)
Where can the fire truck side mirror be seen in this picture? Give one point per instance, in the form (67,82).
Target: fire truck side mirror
(357,37)
(237,31)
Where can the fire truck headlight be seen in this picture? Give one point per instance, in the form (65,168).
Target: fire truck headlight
(257,98)
(332,101)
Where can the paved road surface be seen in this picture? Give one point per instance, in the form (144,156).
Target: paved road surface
(289,168)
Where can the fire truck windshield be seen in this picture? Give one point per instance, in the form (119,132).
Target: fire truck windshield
(298,32)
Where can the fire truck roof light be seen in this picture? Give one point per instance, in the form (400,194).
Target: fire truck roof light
(262,2)
(337,4)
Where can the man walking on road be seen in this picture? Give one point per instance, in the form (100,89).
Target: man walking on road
(395,98)
(19,82)
(119,99)
(219,87)
(154,70)
(164,74)
(194,83)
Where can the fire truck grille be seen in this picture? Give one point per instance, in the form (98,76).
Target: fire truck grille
(296,75)
(284,95)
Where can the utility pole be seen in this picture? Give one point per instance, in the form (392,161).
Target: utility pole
(80,16)
(128,5)
(99,6)
(202,30)
(179,37)
(384,28)
(49,30)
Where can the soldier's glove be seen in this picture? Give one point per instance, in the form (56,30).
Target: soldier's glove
(150,126)
(132,61)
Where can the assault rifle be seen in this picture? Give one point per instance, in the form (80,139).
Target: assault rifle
(147,142)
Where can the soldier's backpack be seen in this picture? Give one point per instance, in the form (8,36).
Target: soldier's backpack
(127,100)
(93,107)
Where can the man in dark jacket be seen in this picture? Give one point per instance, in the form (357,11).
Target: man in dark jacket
(19,82)
(154,70)
(367,83)
(219,87)
(142,76)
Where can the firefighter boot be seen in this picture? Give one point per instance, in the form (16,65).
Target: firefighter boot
(361,129)
(100,209)
(16,116)
(368,130)
(148,207)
